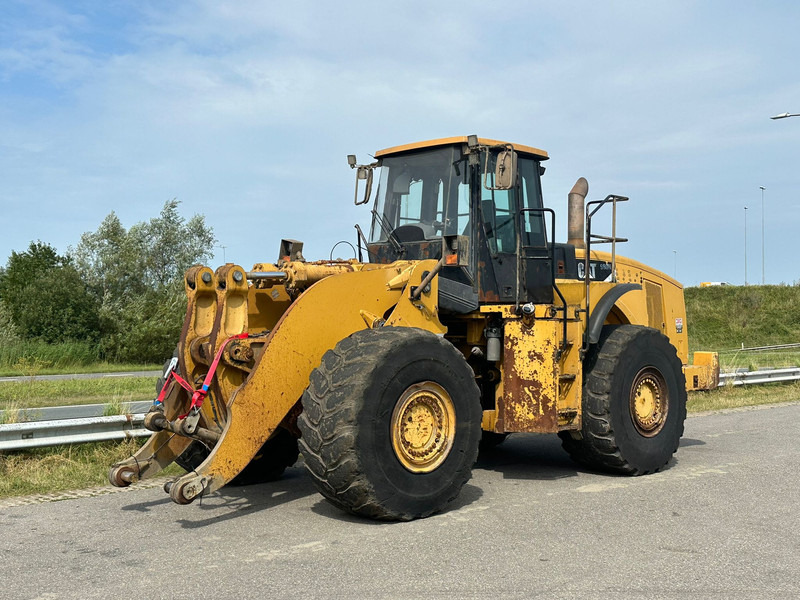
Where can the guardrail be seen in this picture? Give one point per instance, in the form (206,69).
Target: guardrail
(762,348)
(55,426)
(759,377)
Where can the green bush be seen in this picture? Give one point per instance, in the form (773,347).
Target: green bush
(57,307)
(45,297)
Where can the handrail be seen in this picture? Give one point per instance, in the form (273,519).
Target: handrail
(601,239)
(550,249)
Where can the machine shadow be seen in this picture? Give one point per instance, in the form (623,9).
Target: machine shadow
(540,457)
(240,500)
(529,456)
(469,494)
(691,442)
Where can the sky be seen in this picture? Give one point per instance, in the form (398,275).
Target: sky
(245,113)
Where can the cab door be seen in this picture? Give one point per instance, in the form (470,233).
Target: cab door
(513,240)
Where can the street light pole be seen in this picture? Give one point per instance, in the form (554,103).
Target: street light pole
(745,245)
(675,269)
(785,116)
(763,276)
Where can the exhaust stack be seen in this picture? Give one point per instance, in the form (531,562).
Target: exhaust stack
(575,226)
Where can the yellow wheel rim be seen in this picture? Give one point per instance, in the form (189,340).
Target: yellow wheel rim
(649,402)
(423,427)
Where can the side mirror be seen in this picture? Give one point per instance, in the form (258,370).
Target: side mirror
(364,172)
(505,170)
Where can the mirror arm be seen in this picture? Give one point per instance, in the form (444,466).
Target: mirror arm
(364,172)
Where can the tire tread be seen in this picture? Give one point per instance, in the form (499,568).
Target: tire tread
(599,447)
(328,423)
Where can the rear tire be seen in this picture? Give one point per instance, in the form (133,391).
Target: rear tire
(277,453)
(391,423)
(491,440)
(161,380)
(634,402)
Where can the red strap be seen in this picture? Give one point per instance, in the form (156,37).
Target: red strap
(165,388)
(182,382)
(198,395)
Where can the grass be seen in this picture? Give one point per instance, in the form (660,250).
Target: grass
(98,367)
(752,361)
(32,357)
(725,319)
(19,354)
(743,395)
(36,393)
(729,317)
(48,470)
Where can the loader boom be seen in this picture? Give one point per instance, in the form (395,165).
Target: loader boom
(261,396)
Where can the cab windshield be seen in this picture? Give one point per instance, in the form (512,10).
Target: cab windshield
(422,195)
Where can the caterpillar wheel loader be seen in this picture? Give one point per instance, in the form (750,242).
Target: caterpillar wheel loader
(463,322)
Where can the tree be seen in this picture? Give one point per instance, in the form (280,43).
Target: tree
(44,297)
(149,256)
(24,267)
(58,307)
(137,276)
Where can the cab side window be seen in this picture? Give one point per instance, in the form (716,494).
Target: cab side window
(499,209)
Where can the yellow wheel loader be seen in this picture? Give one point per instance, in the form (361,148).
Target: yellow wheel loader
(460,321)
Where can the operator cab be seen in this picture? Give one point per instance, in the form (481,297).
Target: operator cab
(480,199)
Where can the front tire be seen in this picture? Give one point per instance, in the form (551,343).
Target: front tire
(634,403)
(391,423)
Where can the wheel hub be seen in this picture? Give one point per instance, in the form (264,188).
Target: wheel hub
(649,402)
(423,427)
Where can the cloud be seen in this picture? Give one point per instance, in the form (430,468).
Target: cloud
(245,113)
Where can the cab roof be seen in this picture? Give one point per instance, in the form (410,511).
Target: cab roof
(540,154)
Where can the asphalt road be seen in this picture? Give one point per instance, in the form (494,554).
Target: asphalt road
(721,522)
